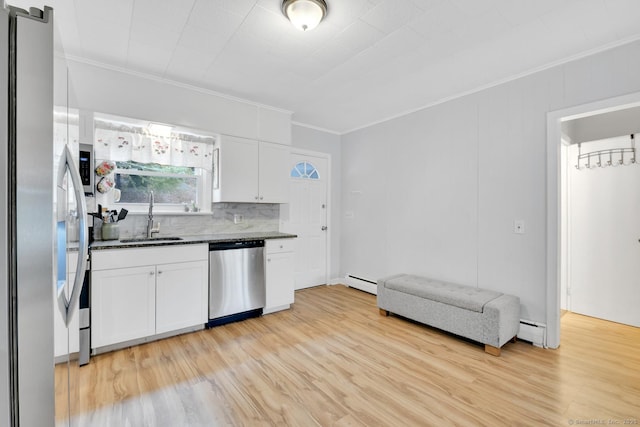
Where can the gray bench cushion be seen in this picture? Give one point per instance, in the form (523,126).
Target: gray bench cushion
(465,297)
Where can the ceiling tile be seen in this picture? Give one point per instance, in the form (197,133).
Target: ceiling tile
(168,15)
(357,36)
(149,59)
(188,63)
(154,35)
(518,12)
(399,43)
(264,24)
(343,13)
(439,19)
(207,16)
(105,41)
(475,7)
(115,11)
(624,13)
(202,39)
(390,15)
(240,7)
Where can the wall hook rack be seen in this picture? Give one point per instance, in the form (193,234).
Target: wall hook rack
(604,158)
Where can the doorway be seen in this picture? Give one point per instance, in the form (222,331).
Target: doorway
(556,229)
(307,216)
(602,229)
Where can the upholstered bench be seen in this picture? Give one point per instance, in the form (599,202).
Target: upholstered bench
(489,317)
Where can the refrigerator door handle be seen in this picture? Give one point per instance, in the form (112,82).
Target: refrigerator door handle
(68,306)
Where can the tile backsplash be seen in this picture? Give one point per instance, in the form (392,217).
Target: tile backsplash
(255,218)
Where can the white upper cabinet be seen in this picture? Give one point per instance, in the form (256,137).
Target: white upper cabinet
(237,170)
(250,171)
(273,173)
(274,126)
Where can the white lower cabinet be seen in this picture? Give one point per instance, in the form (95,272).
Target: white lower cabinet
(279,280)
(131,302)
(181,298)
(122,305)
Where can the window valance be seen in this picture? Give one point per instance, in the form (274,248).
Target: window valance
(120,142)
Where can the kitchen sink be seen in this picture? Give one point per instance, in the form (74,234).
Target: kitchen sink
(150,239)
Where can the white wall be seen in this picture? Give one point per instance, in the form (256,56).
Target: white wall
(111,91)
(325,142)
(436,192)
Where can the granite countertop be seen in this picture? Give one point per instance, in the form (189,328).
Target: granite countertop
(206,238)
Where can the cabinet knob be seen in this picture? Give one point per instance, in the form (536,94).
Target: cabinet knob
(256,197)
(160,272)
(268,259)
(152,273)
(261,197)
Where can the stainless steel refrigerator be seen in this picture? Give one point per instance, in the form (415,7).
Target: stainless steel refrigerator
(34,199)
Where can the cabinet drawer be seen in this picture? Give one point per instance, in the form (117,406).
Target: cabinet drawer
(134,257)
(274,246)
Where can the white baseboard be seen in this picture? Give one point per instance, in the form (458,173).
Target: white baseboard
(534,332)
(363,285)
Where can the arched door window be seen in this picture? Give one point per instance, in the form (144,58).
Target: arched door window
(305,170)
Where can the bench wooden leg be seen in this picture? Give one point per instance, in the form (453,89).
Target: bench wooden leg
(514,339)
(383,312)
(494,351)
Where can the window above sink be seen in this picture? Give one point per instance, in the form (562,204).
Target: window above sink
(172,185)
(175,163)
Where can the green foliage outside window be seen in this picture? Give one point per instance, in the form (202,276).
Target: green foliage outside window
(170,184)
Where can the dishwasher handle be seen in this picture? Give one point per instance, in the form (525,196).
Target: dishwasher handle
(223,246)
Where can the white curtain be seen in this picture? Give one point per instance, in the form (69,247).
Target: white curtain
(118,142)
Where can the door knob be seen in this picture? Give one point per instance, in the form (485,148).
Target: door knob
(324,228)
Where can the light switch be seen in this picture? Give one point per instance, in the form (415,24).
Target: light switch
(518,226)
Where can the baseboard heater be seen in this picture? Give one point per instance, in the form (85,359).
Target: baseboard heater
(534,332)
(361,283)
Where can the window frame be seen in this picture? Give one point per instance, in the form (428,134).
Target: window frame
(304,174)
(203,188)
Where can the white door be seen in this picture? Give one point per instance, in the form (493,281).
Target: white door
(308,218)
(605,251)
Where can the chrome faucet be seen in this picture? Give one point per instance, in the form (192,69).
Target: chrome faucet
(151,227)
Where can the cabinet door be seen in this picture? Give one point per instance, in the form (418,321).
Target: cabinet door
(122,305)
(279,280)
(274,173)
(181,295)
(238,177)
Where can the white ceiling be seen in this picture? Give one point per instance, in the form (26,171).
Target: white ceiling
(369,60)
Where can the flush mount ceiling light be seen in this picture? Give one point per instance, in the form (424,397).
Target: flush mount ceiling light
(304,14)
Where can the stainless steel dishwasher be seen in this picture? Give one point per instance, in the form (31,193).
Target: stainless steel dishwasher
(236,281)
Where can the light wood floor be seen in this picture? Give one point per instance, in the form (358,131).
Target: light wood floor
(333,360)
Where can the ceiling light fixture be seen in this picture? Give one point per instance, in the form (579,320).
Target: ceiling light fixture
(304,14)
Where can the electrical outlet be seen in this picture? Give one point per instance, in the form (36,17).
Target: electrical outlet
(518,226)
(238,219)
